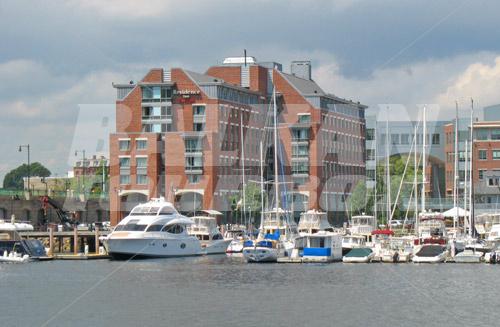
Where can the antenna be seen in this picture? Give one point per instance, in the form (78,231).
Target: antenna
(245,55)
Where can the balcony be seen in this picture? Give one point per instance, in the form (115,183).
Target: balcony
(200,118)
(198,170)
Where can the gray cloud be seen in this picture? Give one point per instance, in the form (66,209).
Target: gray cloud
(57,55)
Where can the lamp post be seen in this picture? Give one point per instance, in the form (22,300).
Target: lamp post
(83,166)
(27,146)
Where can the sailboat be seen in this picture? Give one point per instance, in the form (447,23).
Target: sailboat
(276,232)
(430,227)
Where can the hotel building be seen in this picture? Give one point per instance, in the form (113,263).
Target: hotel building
(190,137)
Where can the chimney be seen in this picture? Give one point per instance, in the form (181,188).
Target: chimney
(301,69)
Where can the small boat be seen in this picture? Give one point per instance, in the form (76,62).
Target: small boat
(206,230)
(359,255)
(430,253)
(322,247)
(350,242)
(469,256)
(262,251)
(153,230)
(15,248)
(238,236)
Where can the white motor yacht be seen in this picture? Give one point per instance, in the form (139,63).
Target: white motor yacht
(363,225)
(469,256)
(153,230)
(206,230)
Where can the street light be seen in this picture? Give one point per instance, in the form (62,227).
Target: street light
(27,146)
(83,165)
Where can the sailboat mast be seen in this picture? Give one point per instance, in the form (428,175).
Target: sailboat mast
(276,179)
(261,188)
(388,173)
(471,191)
(415,180)
(455,181)
(424,159)
(376,159)
(243,202)
(466,179)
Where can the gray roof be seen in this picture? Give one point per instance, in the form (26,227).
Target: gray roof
(304,86)
(202,78)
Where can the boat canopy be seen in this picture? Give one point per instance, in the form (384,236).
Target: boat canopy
(359,252)
(456,211)
(17,227)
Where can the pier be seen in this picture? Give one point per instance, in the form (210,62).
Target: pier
(71,245)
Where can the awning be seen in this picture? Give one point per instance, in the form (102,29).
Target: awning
(212,212)
(456,211)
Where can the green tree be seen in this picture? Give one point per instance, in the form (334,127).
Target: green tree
(396,167)
(252,203)
(358,200)
(14,179)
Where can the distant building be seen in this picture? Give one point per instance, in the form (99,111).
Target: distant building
(89,166)
(492,113)
(486,172)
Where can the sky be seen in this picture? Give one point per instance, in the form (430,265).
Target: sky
(59,58)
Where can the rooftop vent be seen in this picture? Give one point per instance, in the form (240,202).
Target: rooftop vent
(301,69)
(239,60)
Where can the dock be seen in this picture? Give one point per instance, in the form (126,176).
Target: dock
(71,245)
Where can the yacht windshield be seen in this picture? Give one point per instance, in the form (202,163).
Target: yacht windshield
(131,226)
(144,211)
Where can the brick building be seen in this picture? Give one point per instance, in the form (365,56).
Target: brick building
(179,134)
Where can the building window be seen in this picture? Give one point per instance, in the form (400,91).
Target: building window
(300,134)
(304,118)
(405,139)
(370,134)
(482,134)
(370,173)
(300,150)
(124,162)
(124,179)
(483,155)
(141,144)
(370,154)
(436,139)
(394,138)
(496,154)
(493,181)
(124,145)
(142,179)
(141,162)
(198,110)
(300,168)
(198,127)
(481,174)
(193,179)
(193,145)
(194,163)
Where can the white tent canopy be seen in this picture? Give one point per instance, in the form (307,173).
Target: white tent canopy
(453,212)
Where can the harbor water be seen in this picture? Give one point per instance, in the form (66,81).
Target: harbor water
(225,291)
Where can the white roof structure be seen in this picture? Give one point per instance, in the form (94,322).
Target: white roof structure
(453,212)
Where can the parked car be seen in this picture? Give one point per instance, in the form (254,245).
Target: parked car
(396,224)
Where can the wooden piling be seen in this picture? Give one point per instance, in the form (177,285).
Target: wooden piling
(75,241)
(51,241)
(96,240)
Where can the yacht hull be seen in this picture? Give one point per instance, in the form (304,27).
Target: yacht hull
(216,247)
(260,254)
(124,248)
(235,246)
